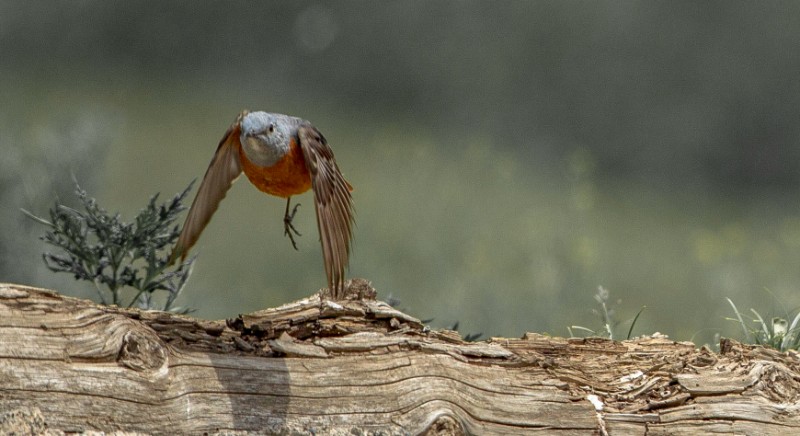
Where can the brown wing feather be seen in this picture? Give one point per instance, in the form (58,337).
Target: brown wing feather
(333,203)
(225,167)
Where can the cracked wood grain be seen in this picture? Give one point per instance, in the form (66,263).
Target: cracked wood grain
(357,366)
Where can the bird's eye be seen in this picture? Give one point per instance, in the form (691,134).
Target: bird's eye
(271,128)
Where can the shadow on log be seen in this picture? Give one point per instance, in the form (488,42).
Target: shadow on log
(358,367)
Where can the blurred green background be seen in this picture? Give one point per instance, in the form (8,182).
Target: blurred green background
(508,157)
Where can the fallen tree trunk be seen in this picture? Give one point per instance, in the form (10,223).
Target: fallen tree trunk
(361,367)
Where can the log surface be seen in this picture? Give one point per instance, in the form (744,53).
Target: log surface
(359,366)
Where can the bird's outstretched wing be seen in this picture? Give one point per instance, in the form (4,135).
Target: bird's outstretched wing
(224,169)
(333,203)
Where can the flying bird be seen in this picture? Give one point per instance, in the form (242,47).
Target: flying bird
(282,156)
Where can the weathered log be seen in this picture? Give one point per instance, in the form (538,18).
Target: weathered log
(359,366)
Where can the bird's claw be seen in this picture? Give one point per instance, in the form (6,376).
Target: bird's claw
(288,227)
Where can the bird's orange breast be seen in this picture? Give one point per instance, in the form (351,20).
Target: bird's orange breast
(289,176)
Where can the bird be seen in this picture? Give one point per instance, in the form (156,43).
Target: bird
(282,156)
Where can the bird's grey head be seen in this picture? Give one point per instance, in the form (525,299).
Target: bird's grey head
(266,137)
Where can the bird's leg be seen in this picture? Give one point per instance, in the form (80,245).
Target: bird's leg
(288,228)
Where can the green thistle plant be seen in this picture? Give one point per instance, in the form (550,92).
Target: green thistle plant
(114,255)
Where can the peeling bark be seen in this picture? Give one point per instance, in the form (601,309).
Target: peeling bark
(359,366)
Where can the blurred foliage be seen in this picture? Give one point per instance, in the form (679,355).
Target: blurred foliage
(667,92)
(102,249)
(39,153)
(506,157)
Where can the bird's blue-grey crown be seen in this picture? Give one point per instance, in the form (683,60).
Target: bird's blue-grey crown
(265,136)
